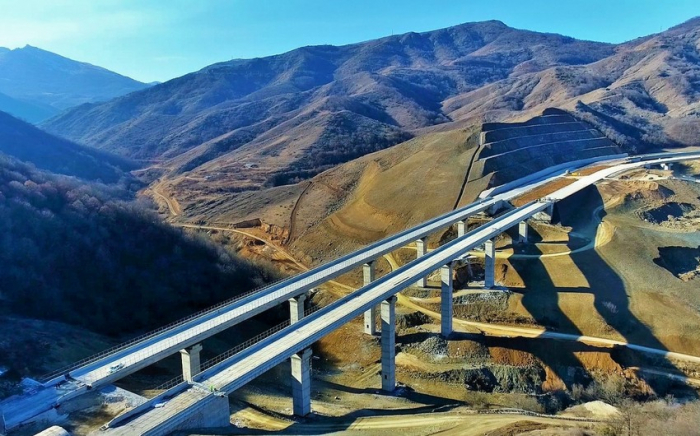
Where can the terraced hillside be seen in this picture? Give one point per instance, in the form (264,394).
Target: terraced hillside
(510,150)
(385,192)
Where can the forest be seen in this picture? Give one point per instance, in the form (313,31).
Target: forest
(87,254)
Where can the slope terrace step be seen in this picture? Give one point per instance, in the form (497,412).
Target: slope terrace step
(513,144)
(512,132)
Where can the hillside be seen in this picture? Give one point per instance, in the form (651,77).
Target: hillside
(83,254)
(296,114)
(246,124)
(50,83)
(27,143)
(385,192)
(25,110)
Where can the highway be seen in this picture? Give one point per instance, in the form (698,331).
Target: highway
(240,369)
(166,342)
(194,330)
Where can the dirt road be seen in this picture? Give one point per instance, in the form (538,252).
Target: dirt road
(173,205)
(532,332)
(460,421)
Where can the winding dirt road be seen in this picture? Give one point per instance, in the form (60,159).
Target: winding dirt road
(173,205)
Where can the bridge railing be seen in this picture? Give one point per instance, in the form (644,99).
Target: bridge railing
(95,357)
(372,249)
(233,351)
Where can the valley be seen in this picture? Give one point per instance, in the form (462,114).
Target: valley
(476,230)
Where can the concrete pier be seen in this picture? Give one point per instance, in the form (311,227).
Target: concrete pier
(296,308)
(301,382)
(461,228)
(421,250)
(523,232)
(191,362)
(446,304)
(368,276)
(389,344)
(546,215)
(489,264)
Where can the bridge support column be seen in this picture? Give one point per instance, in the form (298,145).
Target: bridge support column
(446,303)
(296,308)
(523,232)
(389,344)
(546,215)
(461,228)
(489,264)
(191,362)
(301,383)
(421,249)
(371,314)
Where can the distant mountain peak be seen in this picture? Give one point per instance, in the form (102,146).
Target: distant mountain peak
(39,79)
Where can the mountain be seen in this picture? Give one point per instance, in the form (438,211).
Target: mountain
(38,77)
(25,110)
(27,143)
(250,124)
(282,118)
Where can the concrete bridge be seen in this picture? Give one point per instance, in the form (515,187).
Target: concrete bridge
(201,400)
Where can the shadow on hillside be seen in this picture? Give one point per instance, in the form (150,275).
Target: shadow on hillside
(318,424)
(610,299)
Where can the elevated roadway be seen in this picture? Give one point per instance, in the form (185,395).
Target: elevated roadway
(236,371)
(155,347)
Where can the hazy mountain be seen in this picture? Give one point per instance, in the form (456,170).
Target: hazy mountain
(303,111)
(31,112)
(45,79)
(30,144)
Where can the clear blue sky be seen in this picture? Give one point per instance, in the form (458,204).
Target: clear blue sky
(161,39)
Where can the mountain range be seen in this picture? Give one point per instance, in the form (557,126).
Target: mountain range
(36,84)
(280,119)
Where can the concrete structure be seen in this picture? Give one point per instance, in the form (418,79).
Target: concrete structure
(489,264)
(54,431)
(301,382)
(296,308)
(239,369)
(546,215)
(421,250)
(389,344)
(371,314)
(523,232)
(461,228)
(191,362)
(446,304)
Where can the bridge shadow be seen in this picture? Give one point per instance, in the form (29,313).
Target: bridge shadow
(317,424)
(586,273)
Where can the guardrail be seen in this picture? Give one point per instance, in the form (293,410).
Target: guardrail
(235,350)
(95,357)
(47,379)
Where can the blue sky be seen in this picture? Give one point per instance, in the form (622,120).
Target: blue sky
(161,39)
